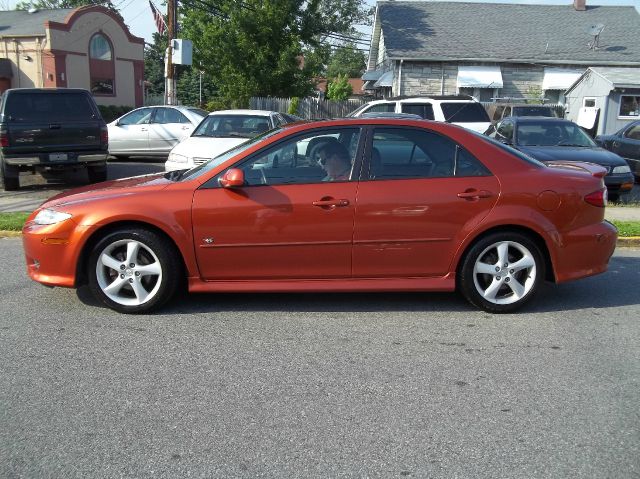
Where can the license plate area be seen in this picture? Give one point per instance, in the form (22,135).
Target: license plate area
(58,157)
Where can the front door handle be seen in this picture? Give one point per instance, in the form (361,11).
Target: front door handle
(330,203)
(473,194)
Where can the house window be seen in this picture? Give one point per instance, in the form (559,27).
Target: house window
(589,102)
(629,105)
(100,48)
(102,65)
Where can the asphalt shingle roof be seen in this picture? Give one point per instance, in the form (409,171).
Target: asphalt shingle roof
(21,22)
(508,32)
(620,76)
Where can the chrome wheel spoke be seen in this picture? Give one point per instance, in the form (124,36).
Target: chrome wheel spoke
(110,262)
(518,289)
(525,262)
(132,252)
(115,287)
(153,269)
(491,292)
(503,253)
(484,268)
(139,291)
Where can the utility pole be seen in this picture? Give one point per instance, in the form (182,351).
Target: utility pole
(171,32)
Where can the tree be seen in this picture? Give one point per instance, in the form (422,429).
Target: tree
(256,47)
(339,88)
(154,64)
(346,60)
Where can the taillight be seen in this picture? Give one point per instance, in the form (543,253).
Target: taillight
(597,198)
(104,135)
(4,138)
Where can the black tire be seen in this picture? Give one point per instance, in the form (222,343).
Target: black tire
(484,253)
(613,197)
(97,174)
(10,178)
(155,251)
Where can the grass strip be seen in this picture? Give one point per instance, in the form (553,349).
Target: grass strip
(627,228)
(14,222)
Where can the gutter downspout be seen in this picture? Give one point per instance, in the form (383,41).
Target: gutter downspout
(17,52)
(442,78)
(400,78)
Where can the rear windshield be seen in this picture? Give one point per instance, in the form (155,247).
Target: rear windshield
(470,112)
(240,126)
(199,111)
(48,107)
(533,111)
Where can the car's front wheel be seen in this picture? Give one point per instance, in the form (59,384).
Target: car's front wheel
(133,271)
(501,272)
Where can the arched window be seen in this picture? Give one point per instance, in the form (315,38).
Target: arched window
(102,65)
(100,48)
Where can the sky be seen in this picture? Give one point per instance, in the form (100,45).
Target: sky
(137,13)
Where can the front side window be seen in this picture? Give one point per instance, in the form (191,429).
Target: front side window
(404,153)
(325,155)
(629,105)
(100,48)
(136,117)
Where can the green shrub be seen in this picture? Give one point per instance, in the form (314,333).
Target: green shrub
(293,106)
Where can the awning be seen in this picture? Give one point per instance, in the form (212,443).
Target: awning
(479,77)
(5,68)
(372,75)
(368,85)
(559,78)
(385,80)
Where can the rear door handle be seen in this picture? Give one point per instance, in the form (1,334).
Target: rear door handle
(330,203)
(475,194)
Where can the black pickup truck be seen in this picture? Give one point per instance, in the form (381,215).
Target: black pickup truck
(50,130)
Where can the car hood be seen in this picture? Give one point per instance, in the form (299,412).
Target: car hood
(203,147)
(599,156)
(124,186)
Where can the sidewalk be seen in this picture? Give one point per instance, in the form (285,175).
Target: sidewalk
(622,213)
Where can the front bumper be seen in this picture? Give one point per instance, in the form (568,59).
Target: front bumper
(52,251)
(619,183)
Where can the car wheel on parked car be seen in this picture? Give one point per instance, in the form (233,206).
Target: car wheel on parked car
(10,178)
(97,174)
(133,270)
(501,272)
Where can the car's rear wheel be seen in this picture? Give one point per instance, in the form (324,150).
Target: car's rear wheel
(10,178)
(133,271)
(501,272)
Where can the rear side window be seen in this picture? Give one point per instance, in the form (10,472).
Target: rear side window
(169,115)
(404,153)
(424,110)
(381,108)
(464,112)
(49,107)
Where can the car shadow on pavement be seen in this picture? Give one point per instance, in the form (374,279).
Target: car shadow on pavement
(617,287)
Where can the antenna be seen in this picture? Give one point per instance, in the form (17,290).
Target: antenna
(595,31)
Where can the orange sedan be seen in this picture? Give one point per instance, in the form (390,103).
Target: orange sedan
(420,206)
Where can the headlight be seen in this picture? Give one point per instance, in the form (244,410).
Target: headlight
(50,217)
(621,169)
(177,158)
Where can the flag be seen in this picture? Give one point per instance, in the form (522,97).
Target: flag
(157,16)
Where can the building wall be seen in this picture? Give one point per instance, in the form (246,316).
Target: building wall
(25,54)
(591,86)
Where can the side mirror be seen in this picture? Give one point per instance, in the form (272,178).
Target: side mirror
(232,178)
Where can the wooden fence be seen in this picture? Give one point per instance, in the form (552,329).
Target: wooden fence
(309,108)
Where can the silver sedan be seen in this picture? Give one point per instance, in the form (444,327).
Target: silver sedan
(152,130)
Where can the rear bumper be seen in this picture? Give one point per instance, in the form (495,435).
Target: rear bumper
(43,159)
(585,251)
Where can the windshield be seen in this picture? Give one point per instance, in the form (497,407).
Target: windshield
(508,149)
(464,112)
(552,134)
(218,160)
(232,126)
(533,111)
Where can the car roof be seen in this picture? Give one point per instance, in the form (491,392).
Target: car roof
(242,112)
(426,99)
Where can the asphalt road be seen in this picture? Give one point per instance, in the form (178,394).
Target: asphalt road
(328,385)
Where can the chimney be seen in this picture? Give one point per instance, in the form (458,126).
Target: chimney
(580,5)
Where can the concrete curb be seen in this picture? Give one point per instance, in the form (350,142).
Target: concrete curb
(623,242)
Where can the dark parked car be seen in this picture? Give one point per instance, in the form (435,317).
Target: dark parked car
(555,139)
(51,130)
(625,143)
(498,111)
